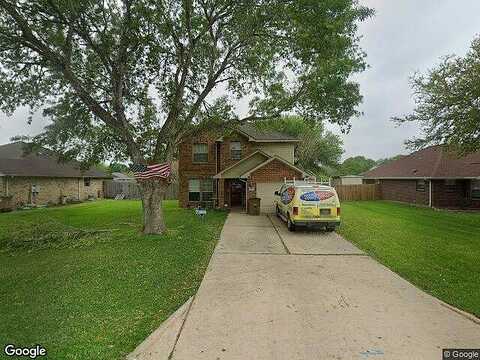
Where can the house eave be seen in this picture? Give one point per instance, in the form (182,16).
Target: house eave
(219,175)
(248,173)
(421,177)
(55,176)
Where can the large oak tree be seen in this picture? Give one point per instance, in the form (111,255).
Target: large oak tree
(447,100)
(129,80)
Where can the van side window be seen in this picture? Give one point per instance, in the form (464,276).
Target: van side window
(287,194)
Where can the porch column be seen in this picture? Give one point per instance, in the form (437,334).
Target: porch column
(221,193)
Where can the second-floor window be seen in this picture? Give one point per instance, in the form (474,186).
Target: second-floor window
(235,150)
(200,153)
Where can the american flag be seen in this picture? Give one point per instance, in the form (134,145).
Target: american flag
(145,172)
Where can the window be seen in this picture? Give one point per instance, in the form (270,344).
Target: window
(86,181)
(200,190)
(200,153)
(475,189)
(420,185)
(235,150)
(450,185)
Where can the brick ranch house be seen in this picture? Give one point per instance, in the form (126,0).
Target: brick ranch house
(38,178)
(227,170)
(431,177)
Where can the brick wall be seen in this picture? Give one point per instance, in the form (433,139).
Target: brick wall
(187,169)
(457,195)
(50,190)
(274,171)
(404,191)
(225,160)
(454,196)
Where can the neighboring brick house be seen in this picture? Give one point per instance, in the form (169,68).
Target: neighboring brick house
(431,177)
(225,170)
(38,178)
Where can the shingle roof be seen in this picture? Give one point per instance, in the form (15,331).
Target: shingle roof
(44,162)
(431,162)
(265,135)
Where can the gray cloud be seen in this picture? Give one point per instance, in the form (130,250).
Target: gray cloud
(403,37)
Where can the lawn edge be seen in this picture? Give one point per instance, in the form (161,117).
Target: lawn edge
(161,342)
(464,313)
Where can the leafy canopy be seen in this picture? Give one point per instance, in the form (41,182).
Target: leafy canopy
(130,79)
(318,150)
(356,165)
(448,103)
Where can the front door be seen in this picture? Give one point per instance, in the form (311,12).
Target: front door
(237,193)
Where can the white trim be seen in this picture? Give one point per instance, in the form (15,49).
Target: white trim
(218,176)
(269,161)
(430,193)
(421,178)
(275,141)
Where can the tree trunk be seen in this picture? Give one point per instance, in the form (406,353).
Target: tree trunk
(153,192)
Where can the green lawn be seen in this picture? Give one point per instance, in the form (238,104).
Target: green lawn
(439,251)
(86,295)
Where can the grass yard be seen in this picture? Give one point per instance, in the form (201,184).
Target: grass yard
(439,251)
(87,295)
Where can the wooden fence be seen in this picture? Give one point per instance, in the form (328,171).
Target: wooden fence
(131,190)
(358,192)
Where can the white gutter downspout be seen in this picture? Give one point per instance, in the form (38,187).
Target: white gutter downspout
(6,186)
(430,193)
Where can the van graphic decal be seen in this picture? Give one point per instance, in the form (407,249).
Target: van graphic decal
(288,195)
(316,195)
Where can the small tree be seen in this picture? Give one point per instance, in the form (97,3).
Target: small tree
(448,103)
(129,80)
(356,165)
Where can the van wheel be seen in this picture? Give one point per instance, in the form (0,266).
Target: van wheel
(330,228)
(290,224)
(277,211)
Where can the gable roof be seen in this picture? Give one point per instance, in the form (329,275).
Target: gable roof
(256,160)
(257,135)
(239,168)
(44,163)
(431,162)
(289,164)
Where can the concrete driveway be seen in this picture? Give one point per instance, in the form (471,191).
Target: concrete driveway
(271,294)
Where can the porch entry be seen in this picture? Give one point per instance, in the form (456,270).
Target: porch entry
(237,193)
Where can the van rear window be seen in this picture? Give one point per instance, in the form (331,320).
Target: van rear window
(316,195)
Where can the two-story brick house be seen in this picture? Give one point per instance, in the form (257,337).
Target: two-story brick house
(225,170)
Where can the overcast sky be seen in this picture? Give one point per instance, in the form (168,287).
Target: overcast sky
(403,37)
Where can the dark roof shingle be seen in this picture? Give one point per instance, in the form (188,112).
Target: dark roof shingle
(431,162)
(14,162)
(265,135)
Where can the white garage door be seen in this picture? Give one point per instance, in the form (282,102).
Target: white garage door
(265,191)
